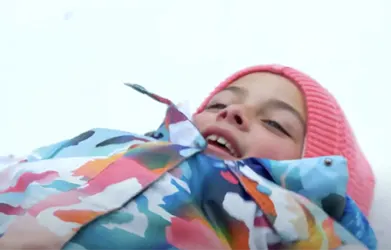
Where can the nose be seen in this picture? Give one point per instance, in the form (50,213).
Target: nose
(235,115)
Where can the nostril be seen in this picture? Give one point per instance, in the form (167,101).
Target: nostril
(238,119)
(224,114)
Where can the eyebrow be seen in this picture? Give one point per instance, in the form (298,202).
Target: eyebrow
(278,104)
(270,104)
(237,90)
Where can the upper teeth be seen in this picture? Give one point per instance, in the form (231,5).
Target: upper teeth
(221,140)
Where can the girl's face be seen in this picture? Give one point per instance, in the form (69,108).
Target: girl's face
(259,115)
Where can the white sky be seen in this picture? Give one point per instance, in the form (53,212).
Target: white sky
(62,63)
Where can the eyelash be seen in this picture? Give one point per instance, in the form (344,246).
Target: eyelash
(277,126)
(217,106)
(270,123)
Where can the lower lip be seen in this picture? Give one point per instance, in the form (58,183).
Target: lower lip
(219,152)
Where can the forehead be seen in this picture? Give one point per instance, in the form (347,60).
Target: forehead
(264,86)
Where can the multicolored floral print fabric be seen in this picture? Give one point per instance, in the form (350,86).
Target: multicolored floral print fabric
(110,189)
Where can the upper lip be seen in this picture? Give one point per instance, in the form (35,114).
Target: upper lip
(226,134)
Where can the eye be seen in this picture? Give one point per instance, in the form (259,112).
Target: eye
(216,106)
(276,125)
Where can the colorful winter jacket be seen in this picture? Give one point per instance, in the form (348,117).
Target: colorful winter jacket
(110,189)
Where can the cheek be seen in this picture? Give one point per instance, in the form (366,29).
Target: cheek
(200,120)
(274,148)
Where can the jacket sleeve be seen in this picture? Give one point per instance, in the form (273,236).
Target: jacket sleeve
(96,142)
(52,150)
(42,153)
(357,224)
(47,152)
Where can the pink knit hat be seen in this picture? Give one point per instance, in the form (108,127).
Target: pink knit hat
(328,131)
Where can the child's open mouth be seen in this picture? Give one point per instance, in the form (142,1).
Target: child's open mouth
(222,144)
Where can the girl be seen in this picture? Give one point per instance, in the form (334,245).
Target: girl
(287,115)
(262,164)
